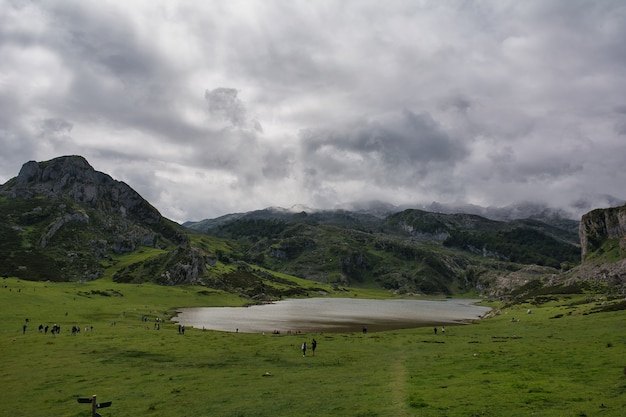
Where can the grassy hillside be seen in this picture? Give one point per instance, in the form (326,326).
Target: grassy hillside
(564,359)
(410,252)
(43,239)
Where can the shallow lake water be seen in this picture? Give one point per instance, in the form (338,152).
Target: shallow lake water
(334,315)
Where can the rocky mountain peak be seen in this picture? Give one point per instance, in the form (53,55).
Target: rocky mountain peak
(73,177)
(61,219)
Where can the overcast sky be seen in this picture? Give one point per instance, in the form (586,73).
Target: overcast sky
(214,107)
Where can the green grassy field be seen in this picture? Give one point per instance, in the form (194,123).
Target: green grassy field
(558,361)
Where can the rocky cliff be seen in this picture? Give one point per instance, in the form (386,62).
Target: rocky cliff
(599,226)
(603,250)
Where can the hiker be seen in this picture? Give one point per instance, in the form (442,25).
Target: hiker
(443,330)
(313,346)
(435,330)
(303,349)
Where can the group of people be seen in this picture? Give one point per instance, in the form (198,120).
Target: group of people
(76,329)
(56,329)
(313,346)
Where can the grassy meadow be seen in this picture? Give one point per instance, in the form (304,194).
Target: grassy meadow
(561,360)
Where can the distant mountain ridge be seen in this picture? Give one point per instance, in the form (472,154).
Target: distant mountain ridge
(306,215)
(381,210)
(411,250)
(514,211)
(376,214)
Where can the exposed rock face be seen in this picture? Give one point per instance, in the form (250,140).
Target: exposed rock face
(80,217)
(599,225)
(186,267)
(596,228)
(73,176)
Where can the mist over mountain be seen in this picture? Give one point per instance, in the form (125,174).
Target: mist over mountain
(514,211)
(372,212)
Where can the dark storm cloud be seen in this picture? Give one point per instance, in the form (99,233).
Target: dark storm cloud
(457,102)
(400,148)
(55,126)
(223,103)
(531,172)
(278,164)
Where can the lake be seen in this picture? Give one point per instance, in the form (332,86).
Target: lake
(334,315)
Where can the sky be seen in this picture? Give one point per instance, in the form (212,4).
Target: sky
(213,107)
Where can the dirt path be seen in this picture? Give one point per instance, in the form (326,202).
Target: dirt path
(398,385)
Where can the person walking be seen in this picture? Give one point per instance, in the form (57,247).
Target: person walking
(313,346)
(303,349)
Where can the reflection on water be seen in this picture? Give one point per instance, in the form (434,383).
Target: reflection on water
(331,315)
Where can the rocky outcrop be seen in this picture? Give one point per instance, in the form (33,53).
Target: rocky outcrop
(597,226)
(79,217)
(612,275)
(184,266)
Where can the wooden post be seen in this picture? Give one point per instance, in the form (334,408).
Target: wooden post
(94,405)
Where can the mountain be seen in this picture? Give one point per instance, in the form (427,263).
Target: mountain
(300,215)
(559,218)
(408,251)
(62,220)
(515,211)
